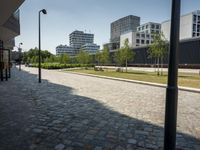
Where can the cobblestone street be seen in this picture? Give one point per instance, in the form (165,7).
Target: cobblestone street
(75,112)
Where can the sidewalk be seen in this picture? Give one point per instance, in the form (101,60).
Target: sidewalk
(76,112)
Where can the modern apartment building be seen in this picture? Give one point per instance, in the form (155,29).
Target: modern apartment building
(79,38)
(64,49)
(189,26)
(123,25)
(90,48)
(143,36)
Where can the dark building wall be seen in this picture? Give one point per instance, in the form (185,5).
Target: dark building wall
(189,53)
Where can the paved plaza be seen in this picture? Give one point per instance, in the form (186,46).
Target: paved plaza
(75,112)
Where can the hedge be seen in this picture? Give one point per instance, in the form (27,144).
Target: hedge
(60,66)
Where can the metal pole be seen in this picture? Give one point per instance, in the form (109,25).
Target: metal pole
(19,58)
(172,88)
(39,66)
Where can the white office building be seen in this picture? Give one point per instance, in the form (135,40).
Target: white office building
(64,49)
(143,36)
(90,48)
(189,26)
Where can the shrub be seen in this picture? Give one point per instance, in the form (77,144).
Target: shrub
(60,66)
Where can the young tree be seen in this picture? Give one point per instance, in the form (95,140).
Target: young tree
(83,57)
(124,54)
(158,50)
(64,59)
(98,57)
(104,56)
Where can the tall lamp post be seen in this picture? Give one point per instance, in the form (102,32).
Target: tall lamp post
(39,66)
(20,52)
(172,88)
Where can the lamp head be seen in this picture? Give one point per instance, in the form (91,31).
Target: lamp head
(44,11)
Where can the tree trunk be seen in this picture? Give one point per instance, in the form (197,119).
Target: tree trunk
(158,71)
(126,65)
(161,66)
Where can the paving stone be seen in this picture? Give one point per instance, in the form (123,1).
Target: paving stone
(59,147)
(132,141)
(68,111)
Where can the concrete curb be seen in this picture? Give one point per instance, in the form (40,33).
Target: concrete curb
(194,90)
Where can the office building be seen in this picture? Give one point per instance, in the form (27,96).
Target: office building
(79,38)
(189,26)
(123,25)
(90,48)
(143,36)
(64,49)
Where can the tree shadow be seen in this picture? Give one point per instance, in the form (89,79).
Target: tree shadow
(32,118)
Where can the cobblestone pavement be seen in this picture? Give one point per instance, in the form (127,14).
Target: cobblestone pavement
(75,112)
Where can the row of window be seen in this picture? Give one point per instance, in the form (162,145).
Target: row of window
(152,26)
(196,27)
(194,34)
(196,18)
(141,41)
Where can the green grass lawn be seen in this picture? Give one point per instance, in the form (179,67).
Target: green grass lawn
(184,79)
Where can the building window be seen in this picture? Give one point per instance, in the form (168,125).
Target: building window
(142,27)
(137,35)
(194,34)
(142,41)
(194,18)
(143,35)
(157,27)
(137,41)
(147,26)
(152,26)
(147,35)
(194,27)
(147,41)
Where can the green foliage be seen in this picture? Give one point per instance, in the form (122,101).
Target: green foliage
(105,55)
(64,59)
(60,66)
(124,54)
(98,57)
(31,56)
(83,57)
(158,49)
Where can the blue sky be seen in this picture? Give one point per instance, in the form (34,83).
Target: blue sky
(95,16)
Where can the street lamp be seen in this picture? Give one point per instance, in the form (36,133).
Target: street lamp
(172,88)
(20,51)
(39,66)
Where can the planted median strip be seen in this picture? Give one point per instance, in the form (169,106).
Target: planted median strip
(185,79)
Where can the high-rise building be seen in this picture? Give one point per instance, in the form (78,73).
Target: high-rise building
(123,25)
(79,38)
(90,48)
(64,49)
(189,26)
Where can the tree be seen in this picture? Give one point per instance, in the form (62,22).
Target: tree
(34,52)
(124,54)
(83,57)
(158,50)
(64,59)
(104,56)
(98,57)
